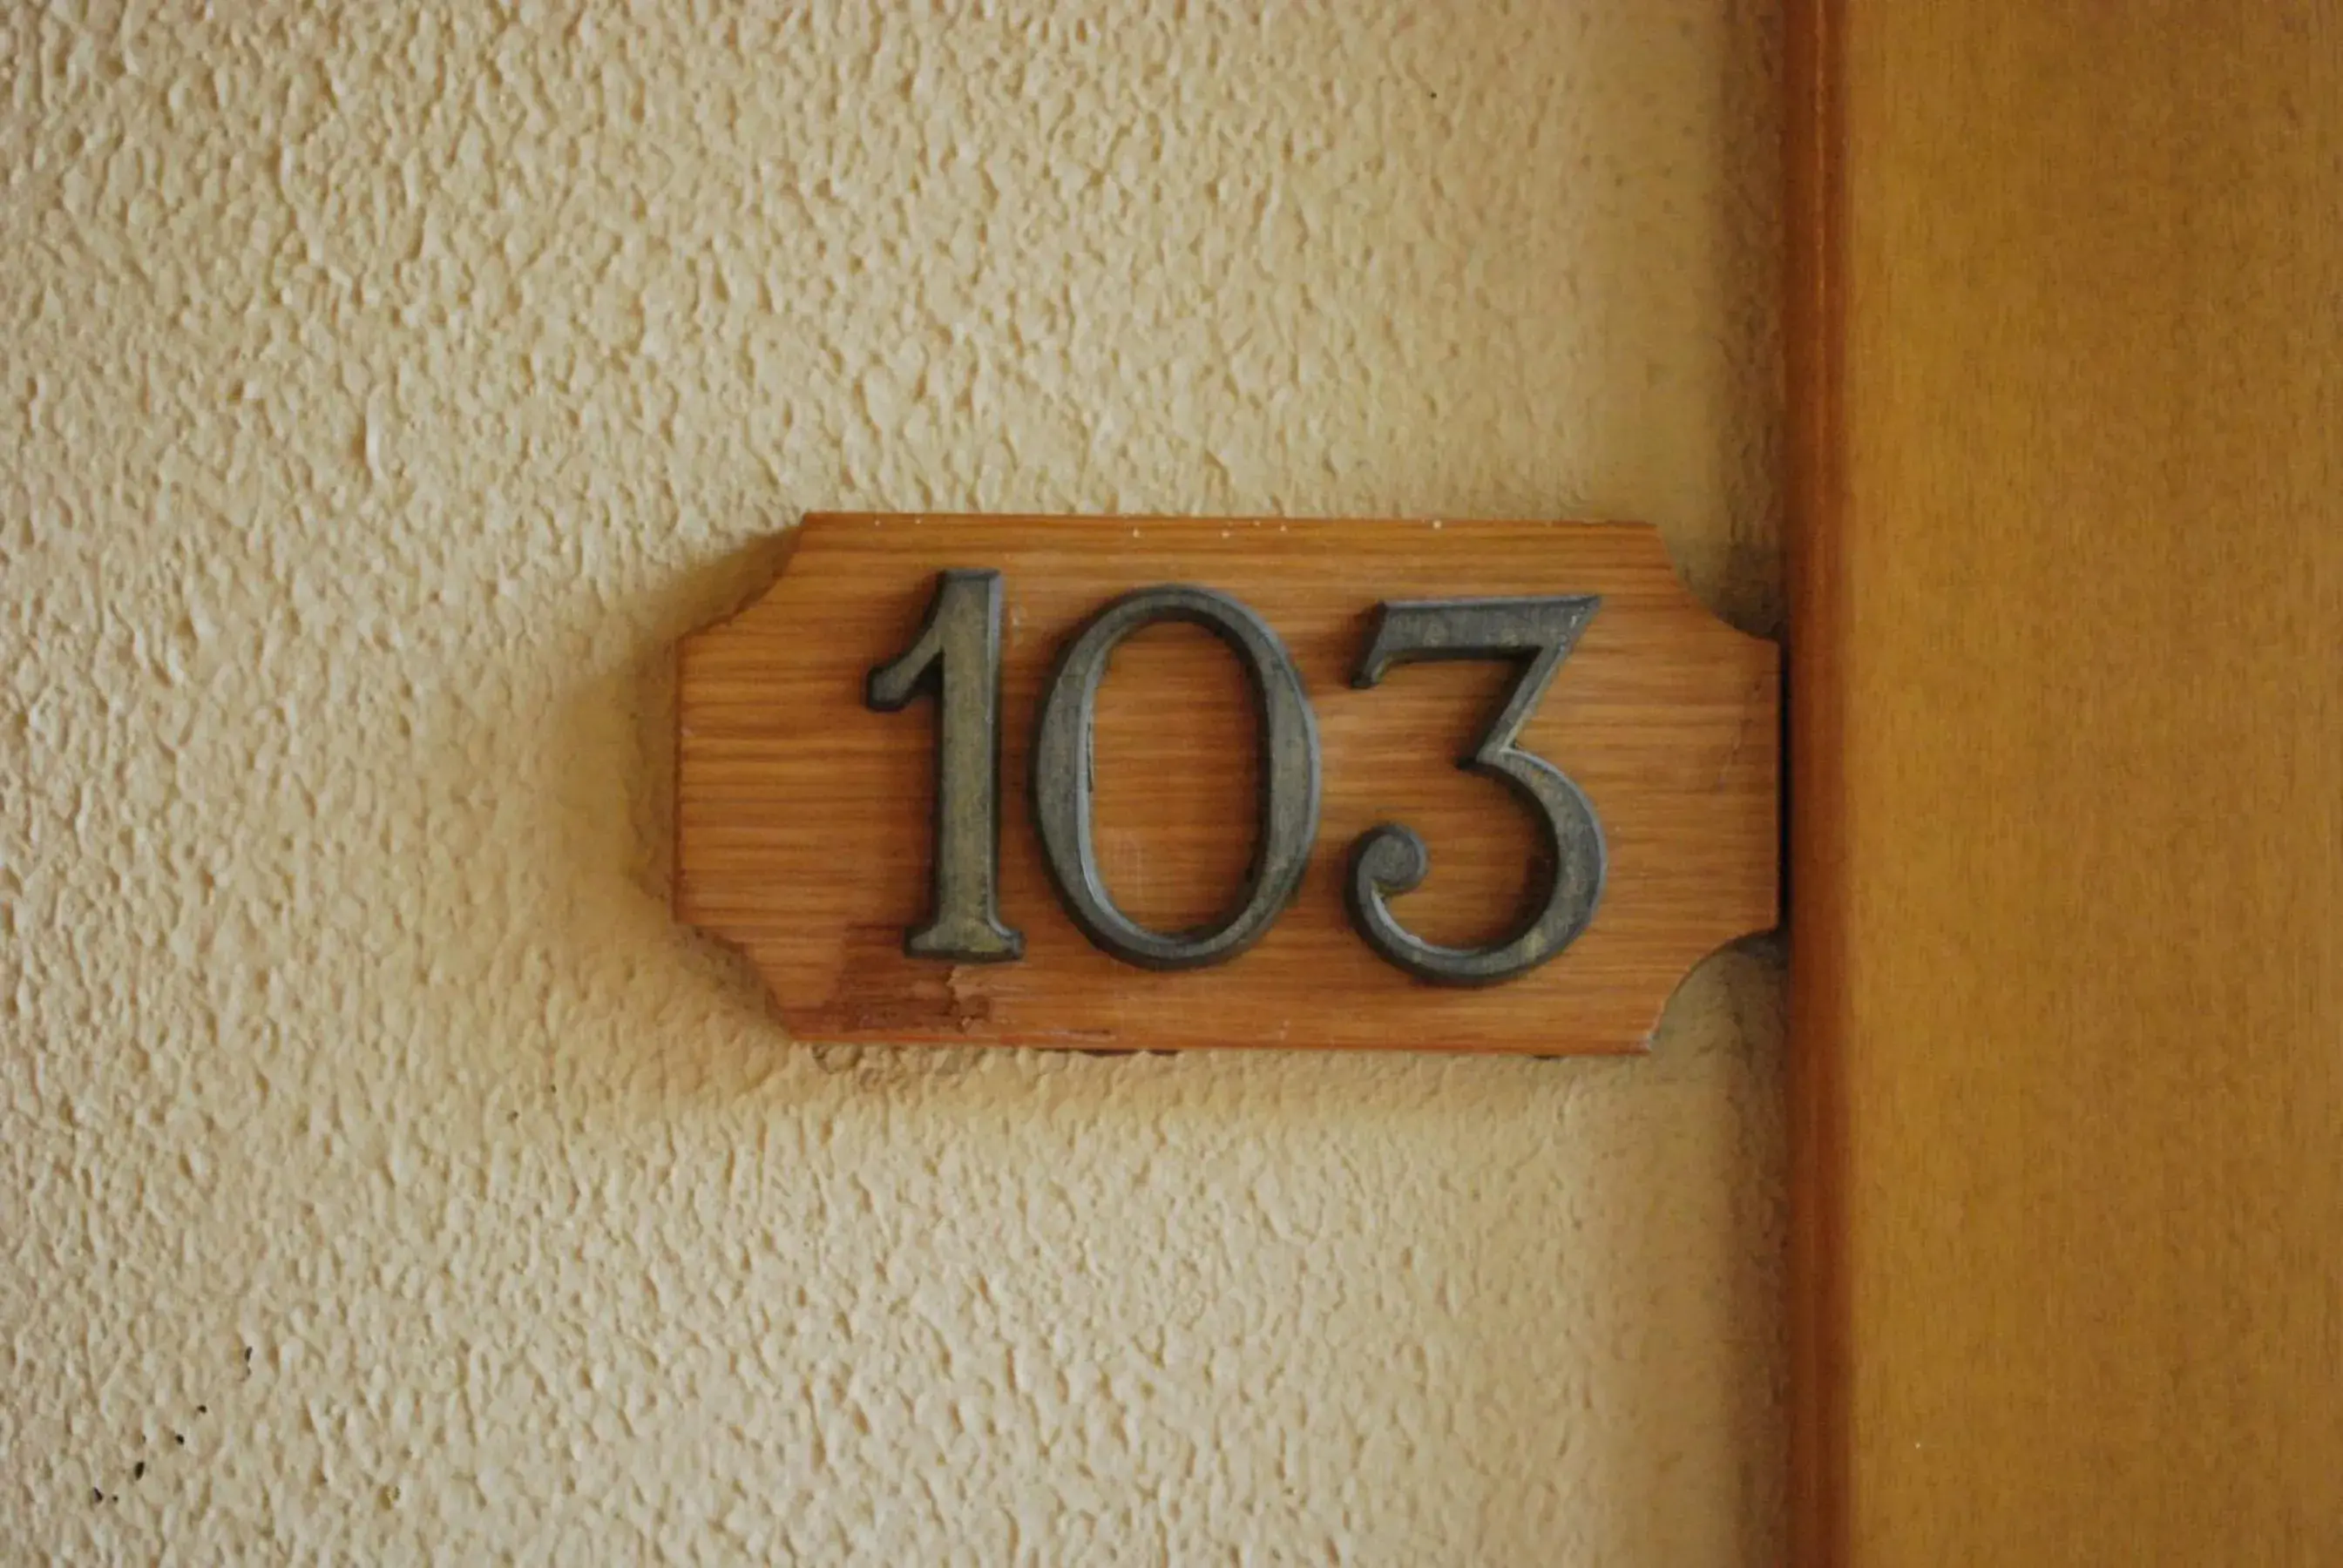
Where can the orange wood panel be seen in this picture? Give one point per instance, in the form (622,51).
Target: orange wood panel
(2067,793)
(803,817)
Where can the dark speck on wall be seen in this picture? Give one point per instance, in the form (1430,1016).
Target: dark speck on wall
(138,1470)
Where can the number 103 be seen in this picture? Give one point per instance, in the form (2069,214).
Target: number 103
(956,657)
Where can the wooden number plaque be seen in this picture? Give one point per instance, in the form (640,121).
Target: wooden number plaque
(1122,784)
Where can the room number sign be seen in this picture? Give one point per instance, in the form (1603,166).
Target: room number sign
(1160,783)
(956,655)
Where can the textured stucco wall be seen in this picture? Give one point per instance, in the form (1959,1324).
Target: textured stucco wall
(387,383)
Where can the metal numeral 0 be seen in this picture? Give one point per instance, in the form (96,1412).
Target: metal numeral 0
(956,656)
(1537,635)
(1062,779)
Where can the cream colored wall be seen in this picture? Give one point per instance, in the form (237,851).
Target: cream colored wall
(387,384)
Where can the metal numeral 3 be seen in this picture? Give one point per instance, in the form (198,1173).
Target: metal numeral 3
(1536,634)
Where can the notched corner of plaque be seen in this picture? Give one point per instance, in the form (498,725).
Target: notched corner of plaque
(1729,615)
(741,580)
(741,976)
(1727,995)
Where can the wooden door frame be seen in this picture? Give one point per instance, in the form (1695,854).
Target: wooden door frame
(1815,793)
(2064,339)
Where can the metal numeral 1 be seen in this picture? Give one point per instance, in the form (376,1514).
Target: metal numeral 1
(1289,779)
(1537,635)
(956,656)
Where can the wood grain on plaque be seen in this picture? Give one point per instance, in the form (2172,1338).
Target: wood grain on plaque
(803,817)
(2067,783)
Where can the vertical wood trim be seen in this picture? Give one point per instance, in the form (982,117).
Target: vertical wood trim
(1816,805)
(2066,792)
